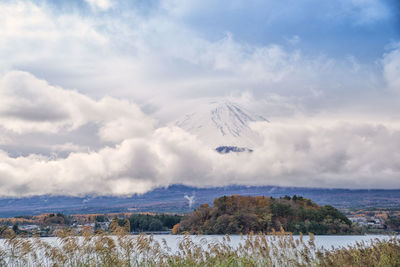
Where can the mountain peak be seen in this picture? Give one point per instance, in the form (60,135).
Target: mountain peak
(222,123)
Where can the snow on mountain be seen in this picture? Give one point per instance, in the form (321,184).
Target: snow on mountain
(222,124)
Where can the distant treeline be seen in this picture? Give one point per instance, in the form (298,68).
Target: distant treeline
(148,223)
(228,215)
(393,223)
(140,222)
(244,214)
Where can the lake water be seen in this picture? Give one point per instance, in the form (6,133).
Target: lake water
(325,241)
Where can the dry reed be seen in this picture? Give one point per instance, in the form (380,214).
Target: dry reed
(121,249)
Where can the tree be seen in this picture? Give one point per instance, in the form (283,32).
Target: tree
(113,227)
(126,226)
(156,225)
(100,218)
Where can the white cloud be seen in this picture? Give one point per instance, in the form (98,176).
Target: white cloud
(69,147)
(367,11)
(294,40)
(269,63)
(332,154)
(312,152)
(100,4)
(391,69)
(148,57)
(351,155)
(4,137)
(301,151)
(134,166)
(32,105)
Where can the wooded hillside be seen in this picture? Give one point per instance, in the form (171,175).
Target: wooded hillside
(244,214)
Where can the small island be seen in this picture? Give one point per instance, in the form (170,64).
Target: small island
(259,214)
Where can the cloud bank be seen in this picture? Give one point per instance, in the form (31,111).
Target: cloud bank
(137,156)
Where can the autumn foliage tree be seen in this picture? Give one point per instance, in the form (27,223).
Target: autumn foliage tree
(244,214)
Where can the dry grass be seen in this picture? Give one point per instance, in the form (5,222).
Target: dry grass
(278,249)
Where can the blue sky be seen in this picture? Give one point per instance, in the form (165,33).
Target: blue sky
(353,34)
(85,84)
(335,28)
(361,28)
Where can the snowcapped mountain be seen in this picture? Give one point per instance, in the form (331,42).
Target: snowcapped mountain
(223,124)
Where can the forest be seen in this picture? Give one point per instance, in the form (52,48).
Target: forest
(146,222)
(245,214)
